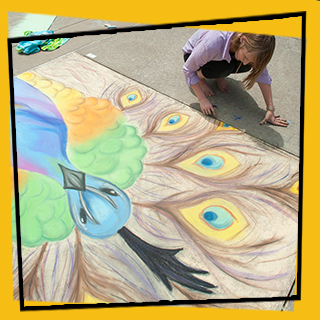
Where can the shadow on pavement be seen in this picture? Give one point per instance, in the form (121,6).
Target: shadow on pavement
(238,109)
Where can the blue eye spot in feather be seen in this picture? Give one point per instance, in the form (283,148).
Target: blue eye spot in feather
(211,162)
(210,216)
(174,120)
(206,162)
(132,97)
(218,217)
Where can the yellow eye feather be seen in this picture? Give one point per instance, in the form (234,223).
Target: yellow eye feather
(216,218)
(131,98)
(173,121)
(210,163)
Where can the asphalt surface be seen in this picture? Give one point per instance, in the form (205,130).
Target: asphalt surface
(154,58)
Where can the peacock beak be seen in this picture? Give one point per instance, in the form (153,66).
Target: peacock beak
(73,179)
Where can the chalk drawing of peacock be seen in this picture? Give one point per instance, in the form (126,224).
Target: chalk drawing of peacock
(133,197)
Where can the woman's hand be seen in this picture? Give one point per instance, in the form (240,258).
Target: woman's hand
(206,107)
(205,104)
(275,120)
(270,117)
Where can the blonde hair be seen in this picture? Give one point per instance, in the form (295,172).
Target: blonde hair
(263,47)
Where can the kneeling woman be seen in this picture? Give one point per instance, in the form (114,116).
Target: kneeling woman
(215,55)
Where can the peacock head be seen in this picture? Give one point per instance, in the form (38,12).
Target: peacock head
(98,208)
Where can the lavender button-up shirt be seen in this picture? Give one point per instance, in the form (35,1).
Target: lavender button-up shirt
(207,45)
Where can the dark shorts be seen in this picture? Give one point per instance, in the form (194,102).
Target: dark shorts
(220,69)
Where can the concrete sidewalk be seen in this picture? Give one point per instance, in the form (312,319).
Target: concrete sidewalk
(154,58)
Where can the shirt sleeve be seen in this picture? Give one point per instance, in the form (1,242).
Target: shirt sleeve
(201,54)
(264,77)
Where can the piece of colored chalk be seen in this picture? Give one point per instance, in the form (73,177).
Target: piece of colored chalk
(91,55)
(109,26)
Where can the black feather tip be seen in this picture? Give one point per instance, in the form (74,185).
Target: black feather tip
(164,264)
